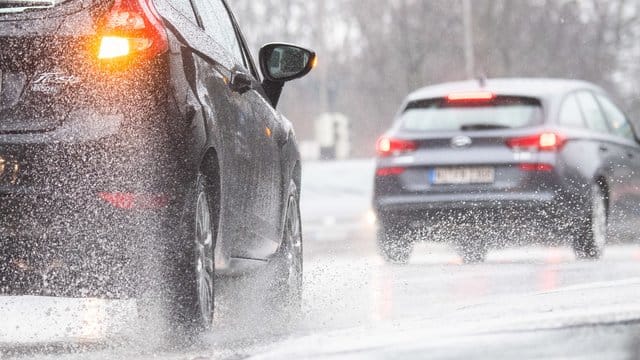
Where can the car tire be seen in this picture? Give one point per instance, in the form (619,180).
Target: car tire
(287,283)
(394,243)
(184,294)
(592,235)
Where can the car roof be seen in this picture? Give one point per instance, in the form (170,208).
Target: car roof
(540,88)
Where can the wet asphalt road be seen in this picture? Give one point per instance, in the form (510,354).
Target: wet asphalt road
(523,303)
(532,302)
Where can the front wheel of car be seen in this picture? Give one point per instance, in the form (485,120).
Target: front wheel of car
(394,243)
(592,237)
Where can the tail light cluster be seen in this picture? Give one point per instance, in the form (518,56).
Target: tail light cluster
(386,147)
(389,147)
(544,142)
(131,28)
(548,141)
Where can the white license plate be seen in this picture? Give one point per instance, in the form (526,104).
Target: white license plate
(462,175)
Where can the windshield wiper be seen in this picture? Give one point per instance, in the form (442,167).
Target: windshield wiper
(16,6)
(472,127)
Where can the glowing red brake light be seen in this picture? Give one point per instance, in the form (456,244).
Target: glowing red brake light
(539,167)
(392,171)
(542,142)
(472,96)
(132,27)
(388,146)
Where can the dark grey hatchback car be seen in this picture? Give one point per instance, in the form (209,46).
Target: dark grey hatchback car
(504,161)
(141,153)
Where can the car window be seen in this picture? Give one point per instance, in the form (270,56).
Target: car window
(185,8)
(440,115)
(218,25)
(592,112)
(570,113)
(616,118)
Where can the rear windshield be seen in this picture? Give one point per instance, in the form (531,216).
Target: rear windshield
(499,113)
(17,6)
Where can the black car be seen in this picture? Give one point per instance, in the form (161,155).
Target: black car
(140,151)
(507,160)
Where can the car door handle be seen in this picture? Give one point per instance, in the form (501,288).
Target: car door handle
(240,82)
(604,149)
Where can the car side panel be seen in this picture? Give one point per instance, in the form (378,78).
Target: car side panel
(243,133)
(221,115)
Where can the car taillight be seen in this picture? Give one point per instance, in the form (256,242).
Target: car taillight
(131,28)
(391,171)
(547,141)
(536,167)
(388,146)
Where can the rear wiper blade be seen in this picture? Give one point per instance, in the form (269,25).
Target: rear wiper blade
(15,6)
(472,127)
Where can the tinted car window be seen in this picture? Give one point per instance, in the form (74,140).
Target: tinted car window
(570,113)
(185,8)
(218,25)
(616,118)
(441,115)
(592,112)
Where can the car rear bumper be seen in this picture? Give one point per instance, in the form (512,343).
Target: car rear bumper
(76,246)
(505,216)
(54,221)
(400,203)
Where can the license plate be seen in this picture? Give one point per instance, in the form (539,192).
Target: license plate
(462,175)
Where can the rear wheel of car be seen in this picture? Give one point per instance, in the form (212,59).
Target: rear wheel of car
(286,292)
(394,243)
(592,236)
(184,294)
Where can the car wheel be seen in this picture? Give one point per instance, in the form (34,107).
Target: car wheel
(593,235)
(394,244)
(185,292)
(288,263)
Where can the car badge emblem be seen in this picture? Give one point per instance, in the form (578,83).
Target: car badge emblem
(50,82)
(461,142)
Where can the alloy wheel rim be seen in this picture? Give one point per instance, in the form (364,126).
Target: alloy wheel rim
(204,258)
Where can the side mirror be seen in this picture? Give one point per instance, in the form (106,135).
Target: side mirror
(284,62)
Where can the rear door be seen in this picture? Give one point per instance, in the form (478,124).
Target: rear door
(269,137)
(243,142)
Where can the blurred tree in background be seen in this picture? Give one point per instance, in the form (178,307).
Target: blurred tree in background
(374,52)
